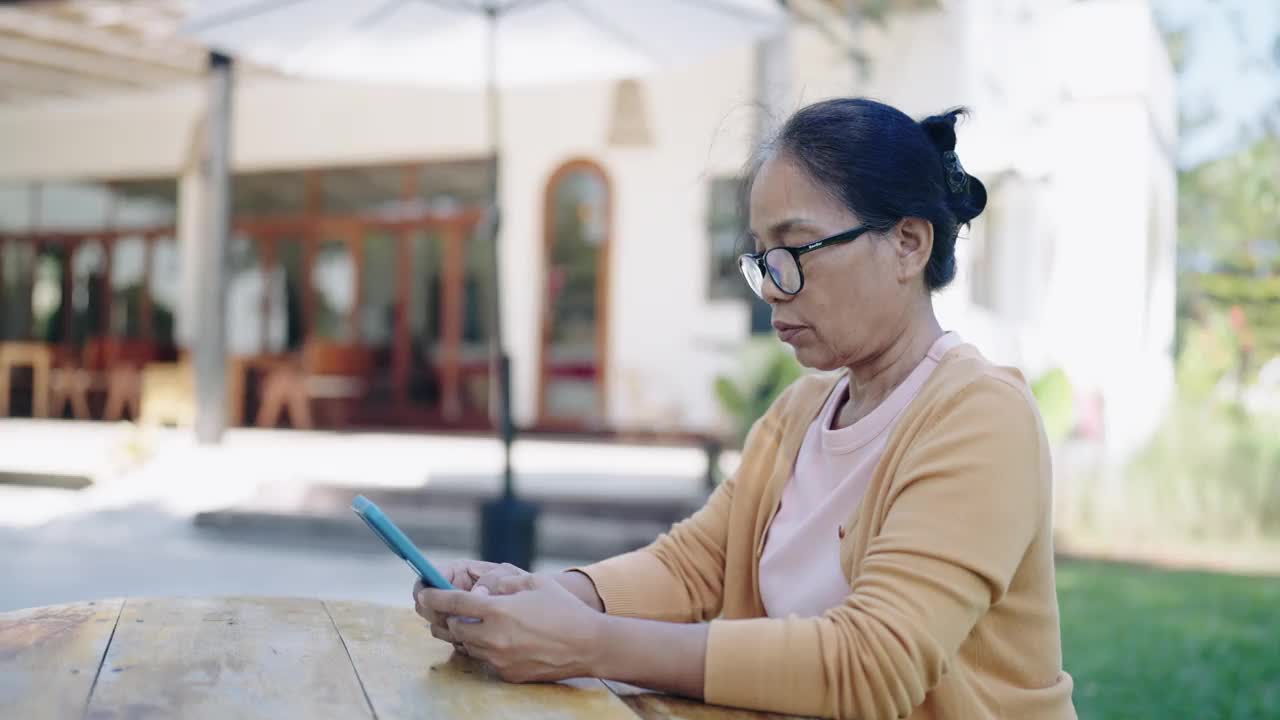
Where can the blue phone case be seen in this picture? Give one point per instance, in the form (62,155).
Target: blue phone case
(398,542)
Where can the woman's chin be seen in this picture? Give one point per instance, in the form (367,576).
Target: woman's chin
(814,359)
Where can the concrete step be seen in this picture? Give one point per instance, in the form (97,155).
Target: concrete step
(580,519)
(664,507)
(575,538)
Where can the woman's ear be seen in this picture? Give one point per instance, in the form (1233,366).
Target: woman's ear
(914,245)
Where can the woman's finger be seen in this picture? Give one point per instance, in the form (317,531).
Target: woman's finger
(451,603)
(474,636)
(468,570)
(441,632)
(495,575)
(424,611)
(513,584)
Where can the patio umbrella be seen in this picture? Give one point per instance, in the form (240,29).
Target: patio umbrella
(488,44)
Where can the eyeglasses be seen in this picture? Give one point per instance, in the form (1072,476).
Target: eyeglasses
(783,263)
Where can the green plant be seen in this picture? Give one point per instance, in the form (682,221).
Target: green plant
(1210,472)
(1212,469)
(768,367)
(1056,399)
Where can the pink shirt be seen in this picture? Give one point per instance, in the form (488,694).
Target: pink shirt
(800,571)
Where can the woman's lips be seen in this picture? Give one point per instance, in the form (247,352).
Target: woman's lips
(787,332)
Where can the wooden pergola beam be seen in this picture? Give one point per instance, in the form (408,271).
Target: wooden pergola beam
(27,79)
(46,28)
(91,64)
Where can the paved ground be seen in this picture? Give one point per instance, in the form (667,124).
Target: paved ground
(130,533)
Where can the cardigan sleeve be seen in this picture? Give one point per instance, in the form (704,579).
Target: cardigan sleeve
(967,500)
(680,576)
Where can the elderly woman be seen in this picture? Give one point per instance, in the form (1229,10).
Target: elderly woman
(884,549)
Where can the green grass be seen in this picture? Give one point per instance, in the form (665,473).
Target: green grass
(1145,643)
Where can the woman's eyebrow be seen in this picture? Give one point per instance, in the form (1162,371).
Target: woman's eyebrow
(785,227)
(782,228)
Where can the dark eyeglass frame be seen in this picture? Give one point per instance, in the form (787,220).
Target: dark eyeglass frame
(839,238)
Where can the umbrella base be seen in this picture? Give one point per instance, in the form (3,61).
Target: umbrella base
(508,532)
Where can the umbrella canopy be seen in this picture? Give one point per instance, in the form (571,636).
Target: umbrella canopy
(451,43)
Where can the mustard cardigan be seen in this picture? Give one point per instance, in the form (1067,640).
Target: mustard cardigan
(952,610)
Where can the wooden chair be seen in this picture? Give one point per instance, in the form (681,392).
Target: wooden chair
(39,358)
(332,375)
(285,389)
(124,360)
(168,394)
(69,384)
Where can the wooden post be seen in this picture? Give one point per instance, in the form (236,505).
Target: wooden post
(4,292)
(401,353)
(68,290)
(104,315)
(451,309)
(355,246)
(146,330)
(266,267)
(311,239)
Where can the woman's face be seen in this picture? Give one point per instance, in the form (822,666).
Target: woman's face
(858,296)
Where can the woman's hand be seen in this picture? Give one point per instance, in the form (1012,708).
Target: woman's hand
(531,628)
(464,575)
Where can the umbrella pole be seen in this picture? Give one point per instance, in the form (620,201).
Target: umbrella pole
(503,361)
(508,525)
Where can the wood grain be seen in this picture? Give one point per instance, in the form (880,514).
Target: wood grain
(409,674)
(278,658)
(224,658)
(651,705)
(50,656)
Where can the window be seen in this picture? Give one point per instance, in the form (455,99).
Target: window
(88,270)
(17,270)
(128,275)
(93,205)
(362,190)
(15,206)
(334,283)
(726,237)
(60,290)
(578,211)
(145,203)
(378,289)
(447,185)
(269,193)
(164,284)
(47,307)
(726,231)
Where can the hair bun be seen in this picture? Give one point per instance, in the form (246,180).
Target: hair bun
(966,195)
(969,204)
(941,129)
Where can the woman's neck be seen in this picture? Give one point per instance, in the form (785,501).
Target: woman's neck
(872,380)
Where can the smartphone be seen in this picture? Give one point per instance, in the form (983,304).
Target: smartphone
(398,542)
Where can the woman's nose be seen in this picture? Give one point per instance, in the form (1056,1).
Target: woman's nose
(771,293)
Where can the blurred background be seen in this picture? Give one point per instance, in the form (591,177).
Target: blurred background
(1128,262)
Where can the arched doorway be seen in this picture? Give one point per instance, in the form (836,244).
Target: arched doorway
(577,215)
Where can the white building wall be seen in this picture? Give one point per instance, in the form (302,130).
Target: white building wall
(1113,307)
(664,332)
(1075,142)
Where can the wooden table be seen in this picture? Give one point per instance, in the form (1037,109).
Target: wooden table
(276,658)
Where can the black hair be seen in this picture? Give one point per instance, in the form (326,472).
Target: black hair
(885,166)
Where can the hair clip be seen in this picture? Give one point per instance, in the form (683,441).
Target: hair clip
(957,178)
